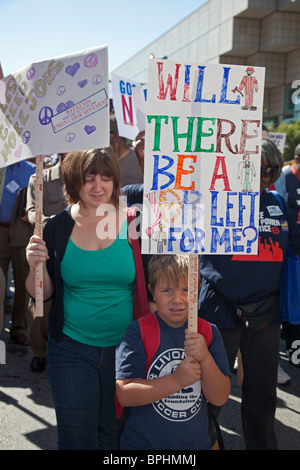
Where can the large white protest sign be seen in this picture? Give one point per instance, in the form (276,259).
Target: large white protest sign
(57,105)
(124,105)
(202,158)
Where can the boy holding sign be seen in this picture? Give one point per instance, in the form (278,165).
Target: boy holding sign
(163,389)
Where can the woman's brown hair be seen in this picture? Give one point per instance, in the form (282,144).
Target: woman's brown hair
(76,165)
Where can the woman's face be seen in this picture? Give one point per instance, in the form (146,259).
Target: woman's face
(266,173)
(96,190)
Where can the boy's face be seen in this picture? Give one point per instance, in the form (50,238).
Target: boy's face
(172,302)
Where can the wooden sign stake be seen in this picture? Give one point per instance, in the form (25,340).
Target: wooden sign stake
(193,293)
(38,230)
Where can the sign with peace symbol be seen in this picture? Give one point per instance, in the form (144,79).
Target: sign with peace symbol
(26,137)
(45,115)
(90,61)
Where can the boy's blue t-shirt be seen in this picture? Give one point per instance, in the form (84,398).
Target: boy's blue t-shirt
(180,421)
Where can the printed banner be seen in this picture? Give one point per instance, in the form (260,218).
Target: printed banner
(58,105)
(128,106)
(202,158)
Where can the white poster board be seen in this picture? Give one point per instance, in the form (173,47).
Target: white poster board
(127,106)
(279,139)
(202,158)
(57,105)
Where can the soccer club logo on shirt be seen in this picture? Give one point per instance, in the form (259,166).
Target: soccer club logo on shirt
(180,406)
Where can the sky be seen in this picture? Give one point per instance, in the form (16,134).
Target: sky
(32,31)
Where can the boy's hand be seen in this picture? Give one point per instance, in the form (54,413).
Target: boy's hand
(187,373)
(195,346)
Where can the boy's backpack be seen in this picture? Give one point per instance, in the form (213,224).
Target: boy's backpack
(150,334)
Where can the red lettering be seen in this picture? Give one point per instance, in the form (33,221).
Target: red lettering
(127,108)
(223,175)
(173,88)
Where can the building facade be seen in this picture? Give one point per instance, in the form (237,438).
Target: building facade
(262,33)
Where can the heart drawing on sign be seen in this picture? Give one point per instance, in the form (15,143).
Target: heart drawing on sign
(82,83)
(72,69)
(89,129)
(63,106)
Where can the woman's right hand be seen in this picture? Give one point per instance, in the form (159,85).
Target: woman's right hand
(36,252)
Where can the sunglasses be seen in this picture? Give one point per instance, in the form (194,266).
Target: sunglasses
(266,171)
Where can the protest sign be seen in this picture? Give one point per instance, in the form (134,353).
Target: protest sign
(279,139)
(57,105)
(202,158)
(139,99)
(124,106)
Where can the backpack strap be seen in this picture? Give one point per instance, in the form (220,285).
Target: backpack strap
(205,329)
(140,303)
(150,334)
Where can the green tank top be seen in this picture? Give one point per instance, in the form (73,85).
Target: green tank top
(98,291)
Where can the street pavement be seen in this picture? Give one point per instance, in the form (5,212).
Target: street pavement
(27,417)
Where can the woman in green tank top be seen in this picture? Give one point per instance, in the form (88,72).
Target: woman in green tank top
(97,272)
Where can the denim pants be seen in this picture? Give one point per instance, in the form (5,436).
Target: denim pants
(260,355)
(82,380)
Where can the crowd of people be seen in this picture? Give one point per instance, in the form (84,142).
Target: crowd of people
(114,335)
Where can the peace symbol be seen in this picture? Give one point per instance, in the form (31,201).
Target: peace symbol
(30,73)
(69,137)
(26,137)
(60,90)
(97,79)
(45,115)
(90,61)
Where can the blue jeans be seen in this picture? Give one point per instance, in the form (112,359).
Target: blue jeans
(82,380)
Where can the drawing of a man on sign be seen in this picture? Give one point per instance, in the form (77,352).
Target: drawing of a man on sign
(57,105)
(197,133)
(249,84)
(246,173)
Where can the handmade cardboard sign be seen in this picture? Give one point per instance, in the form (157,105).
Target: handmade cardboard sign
(202,158)
(127,105)
(279,139)
(57,105)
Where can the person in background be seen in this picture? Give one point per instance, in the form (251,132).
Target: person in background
(289,188)
(138,145)
(131,172)
(283,377)
(90,274)
(15,232)
(251,283)
(53,202)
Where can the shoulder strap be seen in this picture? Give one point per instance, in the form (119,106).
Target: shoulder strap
(150,334)
(140,305)
(205,329)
